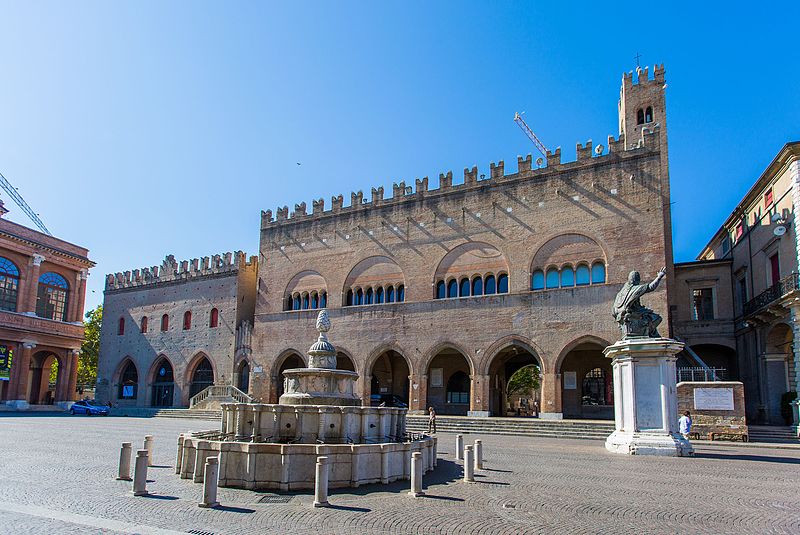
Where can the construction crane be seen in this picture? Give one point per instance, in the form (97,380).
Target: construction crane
(528,132)
(11,190)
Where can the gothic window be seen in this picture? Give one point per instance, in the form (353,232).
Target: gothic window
(452,288)
(187,320)
(582,275)
(128,382)
(305,301)
(143,325)
(551,281)
(440,290)
(640,117)
(296,302)
(213,319)
(537,280)
(567,277)
(202,377)
(477,286)
(121,327)
(598,273)
(360,297)
(349,301)
(401,293)
(648,115)
(163,384)
(502,284)
(379,296)
(458,388)
(314,300)
(9,284)
(491,286)
(323,300)
(165,322)
(390,294)
(368,297)
(52,297)
(464,288)
(597,388)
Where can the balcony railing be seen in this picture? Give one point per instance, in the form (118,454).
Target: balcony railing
(224,391)
(783,287)
(702,374)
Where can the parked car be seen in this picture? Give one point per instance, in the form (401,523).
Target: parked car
(388,400)
(89,407)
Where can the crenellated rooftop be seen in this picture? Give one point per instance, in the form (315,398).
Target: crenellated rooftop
(172,270)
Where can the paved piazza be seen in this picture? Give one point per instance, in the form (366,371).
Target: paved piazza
(57,476)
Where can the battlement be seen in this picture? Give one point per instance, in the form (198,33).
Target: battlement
(643,76)
(171,270)
(525,169)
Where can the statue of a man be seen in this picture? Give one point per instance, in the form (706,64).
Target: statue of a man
(633,318)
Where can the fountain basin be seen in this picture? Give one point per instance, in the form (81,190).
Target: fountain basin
(319,386)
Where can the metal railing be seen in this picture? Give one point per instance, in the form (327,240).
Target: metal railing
(701,374)
(784,286)
(228,391)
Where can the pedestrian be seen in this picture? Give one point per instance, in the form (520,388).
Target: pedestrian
(535,408)
(431,420)
(685,424)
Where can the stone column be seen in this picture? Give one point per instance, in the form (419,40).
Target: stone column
(29,304)
(645,396)
(74,355)
(77,297)
(62,378)
(795,318)
(551,397)
(479,396)
(419,395)
(20,368)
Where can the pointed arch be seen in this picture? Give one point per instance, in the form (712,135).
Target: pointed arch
(580,340)
(512,340)
(437,348)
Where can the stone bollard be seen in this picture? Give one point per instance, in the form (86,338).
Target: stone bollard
(179,456)
(469,469)
(210,483)
(321,485)
(148,445)
(416,475)
(140,474)
(478,455)
(459,446)
(125,461)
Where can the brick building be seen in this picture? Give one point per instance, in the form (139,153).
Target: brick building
(42,290)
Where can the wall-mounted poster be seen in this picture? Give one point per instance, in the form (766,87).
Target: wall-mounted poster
(570,380)
(436,377)
(127,391)
(6,356)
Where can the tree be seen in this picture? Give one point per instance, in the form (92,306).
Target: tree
(90,349)
(524,381)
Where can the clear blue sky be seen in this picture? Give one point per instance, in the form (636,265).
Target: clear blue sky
(142,129)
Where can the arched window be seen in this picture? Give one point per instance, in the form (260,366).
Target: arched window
(452,288)
(598,273)
(296,302)
(52,297)
(368,297)
(390,294)
(401,293)
(349,301)
(165,322)
(491,286)
(379,295)
(187,320)
(567,277)
(202,377)
(551,280)
(458,388)
(441,291)
(502,284)
(9,285)
(597,388)
(128,382)
(314,300)
(640,116)
(213,319)
(305,301)
(537,280)
(582,275)
(121,327)
(360,297)
(477,286)
(143,325)
(648,115)
(463,290)
(323,300)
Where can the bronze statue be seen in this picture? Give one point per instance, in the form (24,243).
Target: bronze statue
(633,318)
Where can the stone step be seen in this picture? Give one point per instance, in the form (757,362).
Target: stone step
(776,434)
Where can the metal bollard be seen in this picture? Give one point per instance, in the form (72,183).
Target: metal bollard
(416,475)
(321,484)
(459,446)
(148,445)
(478,455)
(140,474)
(210,483)
(125,461)
(469,469)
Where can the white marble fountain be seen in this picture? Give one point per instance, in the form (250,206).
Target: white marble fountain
(264,446)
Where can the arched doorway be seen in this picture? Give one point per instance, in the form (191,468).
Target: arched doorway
(202,377)
(389,383)
(243,376)
(128,388)
(163,384)
(587,383)
(449,382)
(777,372)
(343,362)
(46,377)
(721,358)
(504,365)
(290,362)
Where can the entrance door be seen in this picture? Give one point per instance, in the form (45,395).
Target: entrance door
(162,394)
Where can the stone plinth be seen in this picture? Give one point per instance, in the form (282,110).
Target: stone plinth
(320,386)
(717,408)
(645,398)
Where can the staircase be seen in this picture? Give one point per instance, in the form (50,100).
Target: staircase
(140,412)
(212,397)
(775,434)
(581,429)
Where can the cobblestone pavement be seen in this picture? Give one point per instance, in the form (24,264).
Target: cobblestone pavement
(57,476)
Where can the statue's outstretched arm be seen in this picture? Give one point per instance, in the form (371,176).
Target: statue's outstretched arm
(653,285)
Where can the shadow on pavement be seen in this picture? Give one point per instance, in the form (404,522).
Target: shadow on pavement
(160,497)
(230,509)
(348,508)
(748,457)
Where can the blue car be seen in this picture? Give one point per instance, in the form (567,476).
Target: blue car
(89,407)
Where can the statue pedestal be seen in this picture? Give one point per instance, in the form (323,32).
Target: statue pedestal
(645,398)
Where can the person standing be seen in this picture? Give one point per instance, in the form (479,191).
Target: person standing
(685,424)
(431,420)
(535,408)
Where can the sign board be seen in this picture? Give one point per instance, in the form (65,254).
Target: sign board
(258,369)
(713,399)
(436,377)
(127,391)
(6,356)
(570,380)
